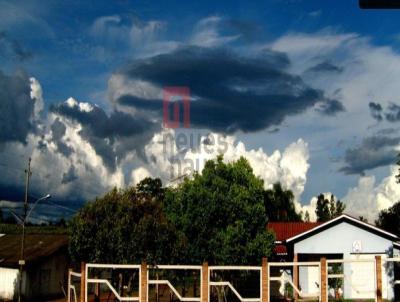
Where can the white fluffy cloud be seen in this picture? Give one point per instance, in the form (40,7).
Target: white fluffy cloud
(207,33)
(37,95)
(368,197)
(168,161)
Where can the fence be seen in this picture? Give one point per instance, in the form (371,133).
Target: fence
(74,281)
(270,281)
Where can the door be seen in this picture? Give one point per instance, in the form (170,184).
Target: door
(360,278)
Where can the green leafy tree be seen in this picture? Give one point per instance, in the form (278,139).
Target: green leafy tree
(279,204)
(124,226)
(221,212)
(389,219)
(328,209)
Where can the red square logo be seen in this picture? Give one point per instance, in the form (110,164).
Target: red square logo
(174,98)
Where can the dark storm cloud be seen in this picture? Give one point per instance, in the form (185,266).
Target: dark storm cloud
(392,113)
(112,136)
(325,67)
(16,107)
(12,49)
(330,107)
(387,131)
(376,110)
(373,152)
(230,92)
(275,59)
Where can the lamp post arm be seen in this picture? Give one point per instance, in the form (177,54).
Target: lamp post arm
(34,205)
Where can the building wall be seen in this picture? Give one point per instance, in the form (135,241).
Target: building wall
(339,239)
(44,277)
(8,283)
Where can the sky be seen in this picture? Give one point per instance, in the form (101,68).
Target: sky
(307,91)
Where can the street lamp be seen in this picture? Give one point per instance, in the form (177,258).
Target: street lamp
(23,220)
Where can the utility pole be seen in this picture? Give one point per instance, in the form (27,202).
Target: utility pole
(28,174)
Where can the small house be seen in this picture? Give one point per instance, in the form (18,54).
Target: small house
(343,238)
(46,266)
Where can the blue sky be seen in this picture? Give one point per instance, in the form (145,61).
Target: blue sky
(312,83)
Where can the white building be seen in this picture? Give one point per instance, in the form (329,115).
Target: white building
(346,238)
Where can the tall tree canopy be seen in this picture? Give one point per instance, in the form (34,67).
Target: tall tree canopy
(279,204)
(328,209)
(125,226)
(389,219)
(221,212)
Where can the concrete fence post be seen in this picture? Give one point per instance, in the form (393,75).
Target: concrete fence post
(378,268)
(323,285)
(264,280)
(143,282)
(69,285)
(83,282)
(204,283)
(295,277)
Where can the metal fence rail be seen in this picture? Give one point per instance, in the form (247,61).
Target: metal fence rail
(88,279)
(168,283)
(283,279)
(71,287)
(286,273)
(229,284)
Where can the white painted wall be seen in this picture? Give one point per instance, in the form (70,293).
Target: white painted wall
(309,279)
(8,283)
(339,239)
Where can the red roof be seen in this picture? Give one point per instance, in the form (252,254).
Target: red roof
(285,230)
(280,249)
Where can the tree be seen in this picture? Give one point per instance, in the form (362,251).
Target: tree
(222,214)
(279,204)
(124,226)
(328,209)
(389,219)
(1,216)
(307,216)
(362,218)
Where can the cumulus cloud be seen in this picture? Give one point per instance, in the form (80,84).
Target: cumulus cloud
(37,95)
(233,89)
(112,136)
(368,198)
(172,155)
(78,175)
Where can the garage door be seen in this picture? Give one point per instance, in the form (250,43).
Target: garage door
(360,281)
